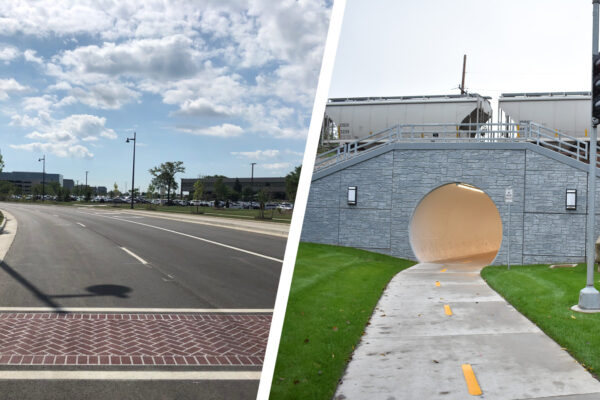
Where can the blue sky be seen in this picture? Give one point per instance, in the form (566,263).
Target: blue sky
(215,84)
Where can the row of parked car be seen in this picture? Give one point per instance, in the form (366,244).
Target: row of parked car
(200,203)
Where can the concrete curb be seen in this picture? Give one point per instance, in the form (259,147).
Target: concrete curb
(3,224)
(7,238)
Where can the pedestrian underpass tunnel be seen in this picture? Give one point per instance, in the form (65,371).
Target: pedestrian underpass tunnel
(456,222)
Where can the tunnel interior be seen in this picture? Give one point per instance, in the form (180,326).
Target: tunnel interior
(456,222)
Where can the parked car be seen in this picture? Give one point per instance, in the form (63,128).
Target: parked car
(285,206)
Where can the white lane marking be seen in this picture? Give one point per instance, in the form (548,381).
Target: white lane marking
(55,215)
(201,239)
(139,310)
(79,223)
(132,254)
(130,375)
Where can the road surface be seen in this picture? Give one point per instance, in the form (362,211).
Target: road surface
(158,308)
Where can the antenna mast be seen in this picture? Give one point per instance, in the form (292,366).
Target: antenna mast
(462,85)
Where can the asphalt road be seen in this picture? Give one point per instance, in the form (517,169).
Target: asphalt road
(73,257)
(65,257)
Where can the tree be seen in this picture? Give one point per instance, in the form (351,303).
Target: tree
(247,193)
(1,163)
(291,183)
(151,190)
(165,175)
(220,191)
(237,186)
(198,189)
(263,197)
(115,191)
(7,189)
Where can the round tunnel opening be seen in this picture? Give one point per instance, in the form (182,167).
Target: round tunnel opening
(456,222)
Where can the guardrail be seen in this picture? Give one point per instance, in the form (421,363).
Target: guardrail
(576,148)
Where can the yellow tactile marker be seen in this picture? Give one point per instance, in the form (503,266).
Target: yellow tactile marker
(438,284)
(444,270)
(447,309)
(472,385)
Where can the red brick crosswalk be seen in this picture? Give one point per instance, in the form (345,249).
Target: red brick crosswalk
(133,339)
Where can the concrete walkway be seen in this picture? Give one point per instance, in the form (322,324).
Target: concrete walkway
(413,350)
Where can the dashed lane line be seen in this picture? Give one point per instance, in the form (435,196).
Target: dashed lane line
(198,238)
(129,375)
(132,254)
(79,223)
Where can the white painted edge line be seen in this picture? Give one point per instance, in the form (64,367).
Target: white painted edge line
(201,239)
(201,222)
(138,310)
(79,223)
(132,254)
(130,375)
(308,163)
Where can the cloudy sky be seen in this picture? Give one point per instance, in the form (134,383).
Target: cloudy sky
(402,48)
(215,84)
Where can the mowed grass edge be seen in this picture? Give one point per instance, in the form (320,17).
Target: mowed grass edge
(545,296)
(334,291)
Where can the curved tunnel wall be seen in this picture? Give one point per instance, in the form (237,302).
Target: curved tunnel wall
(456,222)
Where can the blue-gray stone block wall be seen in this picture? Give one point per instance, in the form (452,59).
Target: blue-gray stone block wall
(392,183)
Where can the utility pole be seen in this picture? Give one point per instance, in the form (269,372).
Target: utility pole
(462,85)
(86,184)
(589,297)
(43,177)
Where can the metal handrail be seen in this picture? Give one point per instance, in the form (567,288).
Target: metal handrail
(468,132)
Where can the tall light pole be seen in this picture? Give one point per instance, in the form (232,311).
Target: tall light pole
(43,176)
(133,170)
(86,185)
(589,297)
(252,176)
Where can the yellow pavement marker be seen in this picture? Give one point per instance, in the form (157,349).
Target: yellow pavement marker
(444,270)
(447,309)
(472,385)
(438,284)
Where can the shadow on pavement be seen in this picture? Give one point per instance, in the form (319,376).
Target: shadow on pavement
(95,290)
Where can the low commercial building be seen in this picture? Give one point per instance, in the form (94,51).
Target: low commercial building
(26,180)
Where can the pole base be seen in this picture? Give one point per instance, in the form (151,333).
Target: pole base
(589,298)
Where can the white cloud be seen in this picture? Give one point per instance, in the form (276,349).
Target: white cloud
(8,86)
(108,96)
(257,155)
(8,53)
(62,137)
(31,57)
(59,149)
(224,130)
(277,166)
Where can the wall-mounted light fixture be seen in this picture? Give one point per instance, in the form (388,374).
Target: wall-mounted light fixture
(571,200)
(352,195)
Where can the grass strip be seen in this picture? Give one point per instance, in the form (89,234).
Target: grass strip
(546,296)
(333,294)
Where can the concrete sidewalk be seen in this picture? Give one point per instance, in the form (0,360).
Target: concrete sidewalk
(413,350)
(263,227)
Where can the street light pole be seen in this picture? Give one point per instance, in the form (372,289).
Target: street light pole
(252,176)
(133,170)
(43,176)
(589,297)
(86,185)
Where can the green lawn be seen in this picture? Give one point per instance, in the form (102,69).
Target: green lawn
(545,296)
(333,294)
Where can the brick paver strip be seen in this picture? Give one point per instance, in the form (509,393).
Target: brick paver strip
(133,339)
